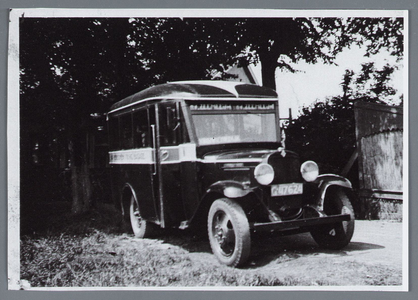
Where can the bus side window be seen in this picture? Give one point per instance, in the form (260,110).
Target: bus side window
(125,135)
(184,135)
(169,124)
(141,134)
(172,125)
(114,133)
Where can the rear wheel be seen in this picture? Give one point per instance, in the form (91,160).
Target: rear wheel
(337,235)
(229,232)
(140,227)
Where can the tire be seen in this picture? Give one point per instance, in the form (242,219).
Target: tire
(140,227)
(229,232)
(338,235)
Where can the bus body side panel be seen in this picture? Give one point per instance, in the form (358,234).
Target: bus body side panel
(180,191)
(137,177)
(115,186)
(190,188)
(172,196)
(144,187)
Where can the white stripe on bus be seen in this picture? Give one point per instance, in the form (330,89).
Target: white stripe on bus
(132,156)
(230,160)
(168,155)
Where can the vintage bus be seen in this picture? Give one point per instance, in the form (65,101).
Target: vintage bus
(210,155)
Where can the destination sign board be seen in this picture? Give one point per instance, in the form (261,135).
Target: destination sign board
(232,107)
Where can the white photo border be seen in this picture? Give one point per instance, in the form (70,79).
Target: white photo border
(13,131)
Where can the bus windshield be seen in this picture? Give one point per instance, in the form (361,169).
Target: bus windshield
(225,128)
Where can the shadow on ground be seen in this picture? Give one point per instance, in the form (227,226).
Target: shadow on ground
(265,250)
(287,248)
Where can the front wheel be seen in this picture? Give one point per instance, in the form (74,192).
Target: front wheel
(338,235)
(140,227)
(229,232)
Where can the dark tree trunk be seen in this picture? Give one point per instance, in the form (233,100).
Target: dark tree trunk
(81,185)
(268,69)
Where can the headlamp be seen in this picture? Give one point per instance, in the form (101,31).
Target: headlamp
(264,174)
(309,170)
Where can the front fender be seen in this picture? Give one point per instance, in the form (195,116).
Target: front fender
(324,181)
(229,188)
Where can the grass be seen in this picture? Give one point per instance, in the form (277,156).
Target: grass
(100,259)
(91,251)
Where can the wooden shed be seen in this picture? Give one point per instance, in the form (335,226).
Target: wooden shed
(379,133)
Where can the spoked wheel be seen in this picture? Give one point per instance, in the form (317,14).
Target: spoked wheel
(140,227)
(229,232)
(338,235)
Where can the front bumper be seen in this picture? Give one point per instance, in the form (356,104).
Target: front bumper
(302,223)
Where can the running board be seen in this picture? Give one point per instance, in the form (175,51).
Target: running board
(294,224)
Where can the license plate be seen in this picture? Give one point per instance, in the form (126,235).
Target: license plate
(286,189)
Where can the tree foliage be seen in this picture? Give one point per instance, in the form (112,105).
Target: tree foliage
(325,131)
(181,49)
(73,69)
(371,83)
(196,46)
(377,34)
(280,43)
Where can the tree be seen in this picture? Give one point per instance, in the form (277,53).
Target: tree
(198,46)
(325,131)
(377,34)
(183,49)
(282,42)
(72,69)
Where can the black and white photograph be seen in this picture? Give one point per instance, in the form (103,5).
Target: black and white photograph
(192,149)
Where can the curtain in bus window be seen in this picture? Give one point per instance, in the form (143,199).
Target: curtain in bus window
(126,137)
(141,133)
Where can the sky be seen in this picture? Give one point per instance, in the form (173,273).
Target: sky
(316,82)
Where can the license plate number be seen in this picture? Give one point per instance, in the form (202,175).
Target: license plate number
(286,189)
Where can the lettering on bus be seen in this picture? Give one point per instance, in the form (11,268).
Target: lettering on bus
(131,156)
(231,107)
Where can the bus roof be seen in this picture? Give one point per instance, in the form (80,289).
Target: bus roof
(197,90)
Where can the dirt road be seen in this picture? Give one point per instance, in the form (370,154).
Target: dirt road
(373,242)
(374,257)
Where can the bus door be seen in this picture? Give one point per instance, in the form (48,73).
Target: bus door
(143,173)
(173,142)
